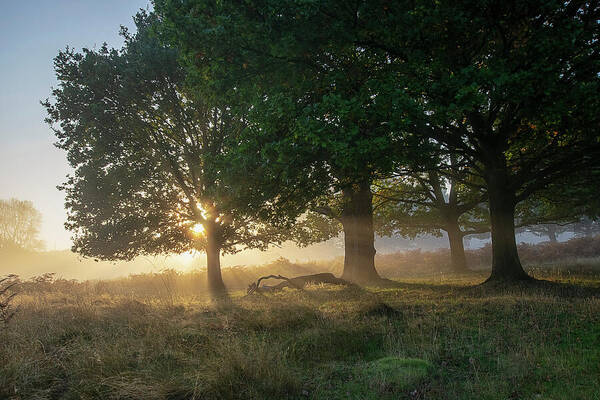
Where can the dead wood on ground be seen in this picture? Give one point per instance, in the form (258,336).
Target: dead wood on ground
(297,283)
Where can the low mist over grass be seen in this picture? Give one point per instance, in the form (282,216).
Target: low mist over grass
(410,263)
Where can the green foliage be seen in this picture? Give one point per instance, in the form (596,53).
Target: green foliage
(314,227)
(147,153)
(318,106)
(427,203)
(513,88)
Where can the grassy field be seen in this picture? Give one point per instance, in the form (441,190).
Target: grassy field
(424,338)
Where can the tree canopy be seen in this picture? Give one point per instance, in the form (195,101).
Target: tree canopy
(513,89)
(219,124)
(147,156)
(312,92)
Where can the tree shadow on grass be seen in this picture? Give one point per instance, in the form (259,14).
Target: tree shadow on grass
(539,287)
(423,286)
(533,287)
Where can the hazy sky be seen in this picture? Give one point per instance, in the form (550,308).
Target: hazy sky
(31,34)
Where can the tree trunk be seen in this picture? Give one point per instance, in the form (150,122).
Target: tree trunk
(359,237)
(552,234)
(506,265)
(457,248)
(216,287)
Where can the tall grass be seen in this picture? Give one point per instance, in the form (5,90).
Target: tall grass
(155,337)
(434,336)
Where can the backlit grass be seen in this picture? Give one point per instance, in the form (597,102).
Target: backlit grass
(433,338)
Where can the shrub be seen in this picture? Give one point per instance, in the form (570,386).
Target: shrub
(7,294)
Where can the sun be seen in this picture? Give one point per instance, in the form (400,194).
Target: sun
(197,229)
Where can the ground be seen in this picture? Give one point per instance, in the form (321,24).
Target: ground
(435,338)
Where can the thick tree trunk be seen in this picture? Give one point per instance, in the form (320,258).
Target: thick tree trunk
(216,287)
(359,237)
(506,265)
(457,248)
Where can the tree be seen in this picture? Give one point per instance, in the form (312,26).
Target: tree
(586,227)
(551,231)
(561,206)
(549,212)
(429,202)
(19,225)
(512,88)
(147,156)
(307,91)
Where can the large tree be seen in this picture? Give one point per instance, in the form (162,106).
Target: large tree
(511,87)
(19,225)
(428,202)
(147,156)
(312,92)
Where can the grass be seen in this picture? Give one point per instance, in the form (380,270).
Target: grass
(427,338)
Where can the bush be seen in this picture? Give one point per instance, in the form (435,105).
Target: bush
(7,294)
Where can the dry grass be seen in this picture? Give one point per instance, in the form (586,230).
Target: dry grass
(435,337)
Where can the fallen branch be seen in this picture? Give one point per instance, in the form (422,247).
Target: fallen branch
(297,283)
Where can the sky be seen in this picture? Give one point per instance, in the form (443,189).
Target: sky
(31,34)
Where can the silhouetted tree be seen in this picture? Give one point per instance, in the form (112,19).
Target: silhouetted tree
(547,215)
(430,202)
(319,103)
(147,156)
(511,87)
(551,231)
(561,206)
(586,227)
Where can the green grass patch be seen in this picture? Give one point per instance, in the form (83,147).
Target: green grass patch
(384,378)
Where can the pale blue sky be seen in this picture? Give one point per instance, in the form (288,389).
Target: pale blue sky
(31,34)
